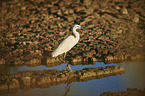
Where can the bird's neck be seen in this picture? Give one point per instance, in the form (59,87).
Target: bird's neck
(77,35)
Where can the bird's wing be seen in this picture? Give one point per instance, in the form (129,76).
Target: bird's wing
(65,45)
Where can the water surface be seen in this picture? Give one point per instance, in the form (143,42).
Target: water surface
(132,78)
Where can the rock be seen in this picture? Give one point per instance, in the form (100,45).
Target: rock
(4,86)
(23,8)
(124,11)
(14,84)
(2,44)
(117,7)
(99,72)
(2,61)
(43,80)
(62,75)
(109,58)
(33,81)
(77,59)
(94,59)
(136,19)
(9,35)
(52,60)
(119,32)
(33,61)
(87,74)
(78,73)
(87,2)
(26,80)
(106,72)
(121,68)
(105,52)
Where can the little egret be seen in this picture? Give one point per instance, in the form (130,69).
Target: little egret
(68,43)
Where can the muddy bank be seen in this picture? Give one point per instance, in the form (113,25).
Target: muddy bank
(128,92)
(47,78)
(32,29)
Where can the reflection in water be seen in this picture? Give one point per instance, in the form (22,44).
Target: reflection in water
(68,87)
(133,78)
(16,69)
(135,74)
(4,69)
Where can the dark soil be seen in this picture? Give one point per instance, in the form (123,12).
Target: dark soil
(31,29)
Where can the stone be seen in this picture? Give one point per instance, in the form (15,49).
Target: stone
(14,84)
(119,32)
(121,68)
(35,61)
(4,86)
(136,19)
(2,61)
(62,75)
(9,35)
(77,59)
(26,80)
(43,80)
(124,11)
(87,2)
(94,59)
(109,58)
(23,8)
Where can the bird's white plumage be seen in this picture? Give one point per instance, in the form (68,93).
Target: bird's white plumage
(65,46)
(67,43)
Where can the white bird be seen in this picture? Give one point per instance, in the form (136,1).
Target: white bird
(68,43)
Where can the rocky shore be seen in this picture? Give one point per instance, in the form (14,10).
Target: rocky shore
(47,78)
(31,29)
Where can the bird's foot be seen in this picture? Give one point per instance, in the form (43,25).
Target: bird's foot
(68,68)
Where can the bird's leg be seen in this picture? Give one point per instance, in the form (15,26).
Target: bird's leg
(67,89)
(66,65)
(64,55)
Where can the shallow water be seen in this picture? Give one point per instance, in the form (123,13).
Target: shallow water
(132,78)
(12,70)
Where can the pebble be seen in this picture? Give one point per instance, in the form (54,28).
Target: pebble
(124,11)
(136,19)
(23,8)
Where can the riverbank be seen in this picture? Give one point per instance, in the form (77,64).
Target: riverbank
(31,30)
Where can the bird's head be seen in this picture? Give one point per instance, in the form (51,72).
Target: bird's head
(77,26)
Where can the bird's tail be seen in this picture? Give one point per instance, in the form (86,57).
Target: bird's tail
(52,54)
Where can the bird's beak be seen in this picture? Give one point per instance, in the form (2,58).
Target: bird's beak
(83,28)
